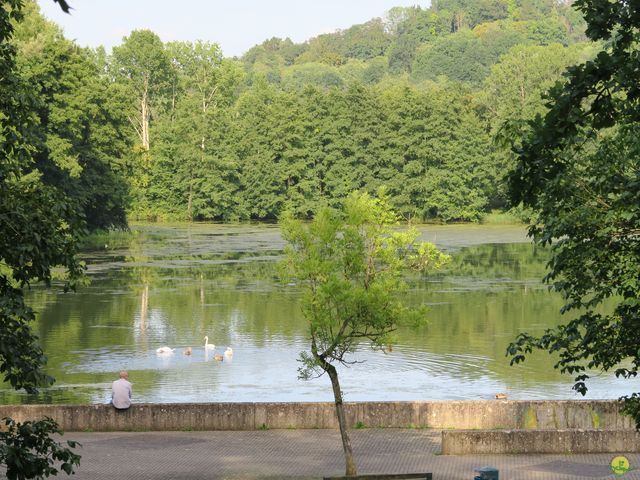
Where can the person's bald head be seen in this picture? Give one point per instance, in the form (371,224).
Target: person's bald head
(124,374)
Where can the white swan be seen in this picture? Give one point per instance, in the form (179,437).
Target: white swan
(207,345)
(164,350)
(228,352)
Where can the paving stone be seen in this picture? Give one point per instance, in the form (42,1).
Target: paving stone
(572,468)
(310,454)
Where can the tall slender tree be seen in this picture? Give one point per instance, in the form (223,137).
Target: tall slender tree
(142,62)
(352,264)
(142,67)
(207,85)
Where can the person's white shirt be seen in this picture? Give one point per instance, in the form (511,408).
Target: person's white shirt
(121,393)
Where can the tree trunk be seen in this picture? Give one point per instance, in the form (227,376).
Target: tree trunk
(342,420)
(190,199)
(145,114)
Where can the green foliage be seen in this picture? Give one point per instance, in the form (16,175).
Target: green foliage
(350,264)
(406,31)
(311,73)
(459,57)
(365,41)
(39,226)
(175,131)
(309,123)
(501,218)
(438,178)
(362,42)
(79,138)
(467,56)
(108,239)
(578,170)
(143,70)
(38,231)
(401,54)
(28,450)
(515,87)
(142,62)
(271,51)
(325,49)
(191,178)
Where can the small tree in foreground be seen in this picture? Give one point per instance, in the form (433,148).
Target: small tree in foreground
(351,264)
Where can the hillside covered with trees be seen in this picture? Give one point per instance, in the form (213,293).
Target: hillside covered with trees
(412,101)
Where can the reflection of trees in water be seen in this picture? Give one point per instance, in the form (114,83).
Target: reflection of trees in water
(484,298)
(514,261)
(488,294)
(144,307)
(489,290)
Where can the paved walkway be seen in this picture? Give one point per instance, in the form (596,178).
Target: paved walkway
(310,454)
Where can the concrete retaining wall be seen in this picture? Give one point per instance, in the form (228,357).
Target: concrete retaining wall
(496,414)
(465,442)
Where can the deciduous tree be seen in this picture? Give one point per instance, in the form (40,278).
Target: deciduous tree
(579,170)
(144,65)
(38,231)
(351,265)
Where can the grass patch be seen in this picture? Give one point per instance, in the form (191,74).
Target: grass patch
(413,426)
(497,217)
(263,427)
(359,425)
(108,239)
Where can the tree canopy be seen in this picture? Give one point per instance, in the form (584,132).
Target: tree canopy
(175,131)
(39,229)
(578,169)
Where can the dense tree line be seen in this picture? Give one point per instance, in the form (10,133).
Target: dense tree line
(78,138)
(175,131)
(459,39)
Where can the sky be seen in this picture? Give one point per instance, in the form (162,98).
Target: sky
(235,25)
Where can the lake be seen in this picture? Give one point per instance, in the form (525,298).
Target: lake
(172,285)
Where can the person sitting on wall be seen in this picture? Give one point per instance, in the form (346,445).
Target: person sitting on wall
(121,392)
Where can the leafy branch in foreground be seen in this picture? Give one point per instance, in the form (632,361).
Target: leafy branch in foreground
(28,450)
(578,169)
(39,228)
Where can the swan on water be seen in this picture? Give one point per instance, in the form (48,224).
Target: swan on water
(217,357)
(228,352)
(164,350)
(207,345)
(187,351)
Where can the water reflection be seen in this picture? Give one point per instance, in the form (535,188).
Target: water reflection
(173,286)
